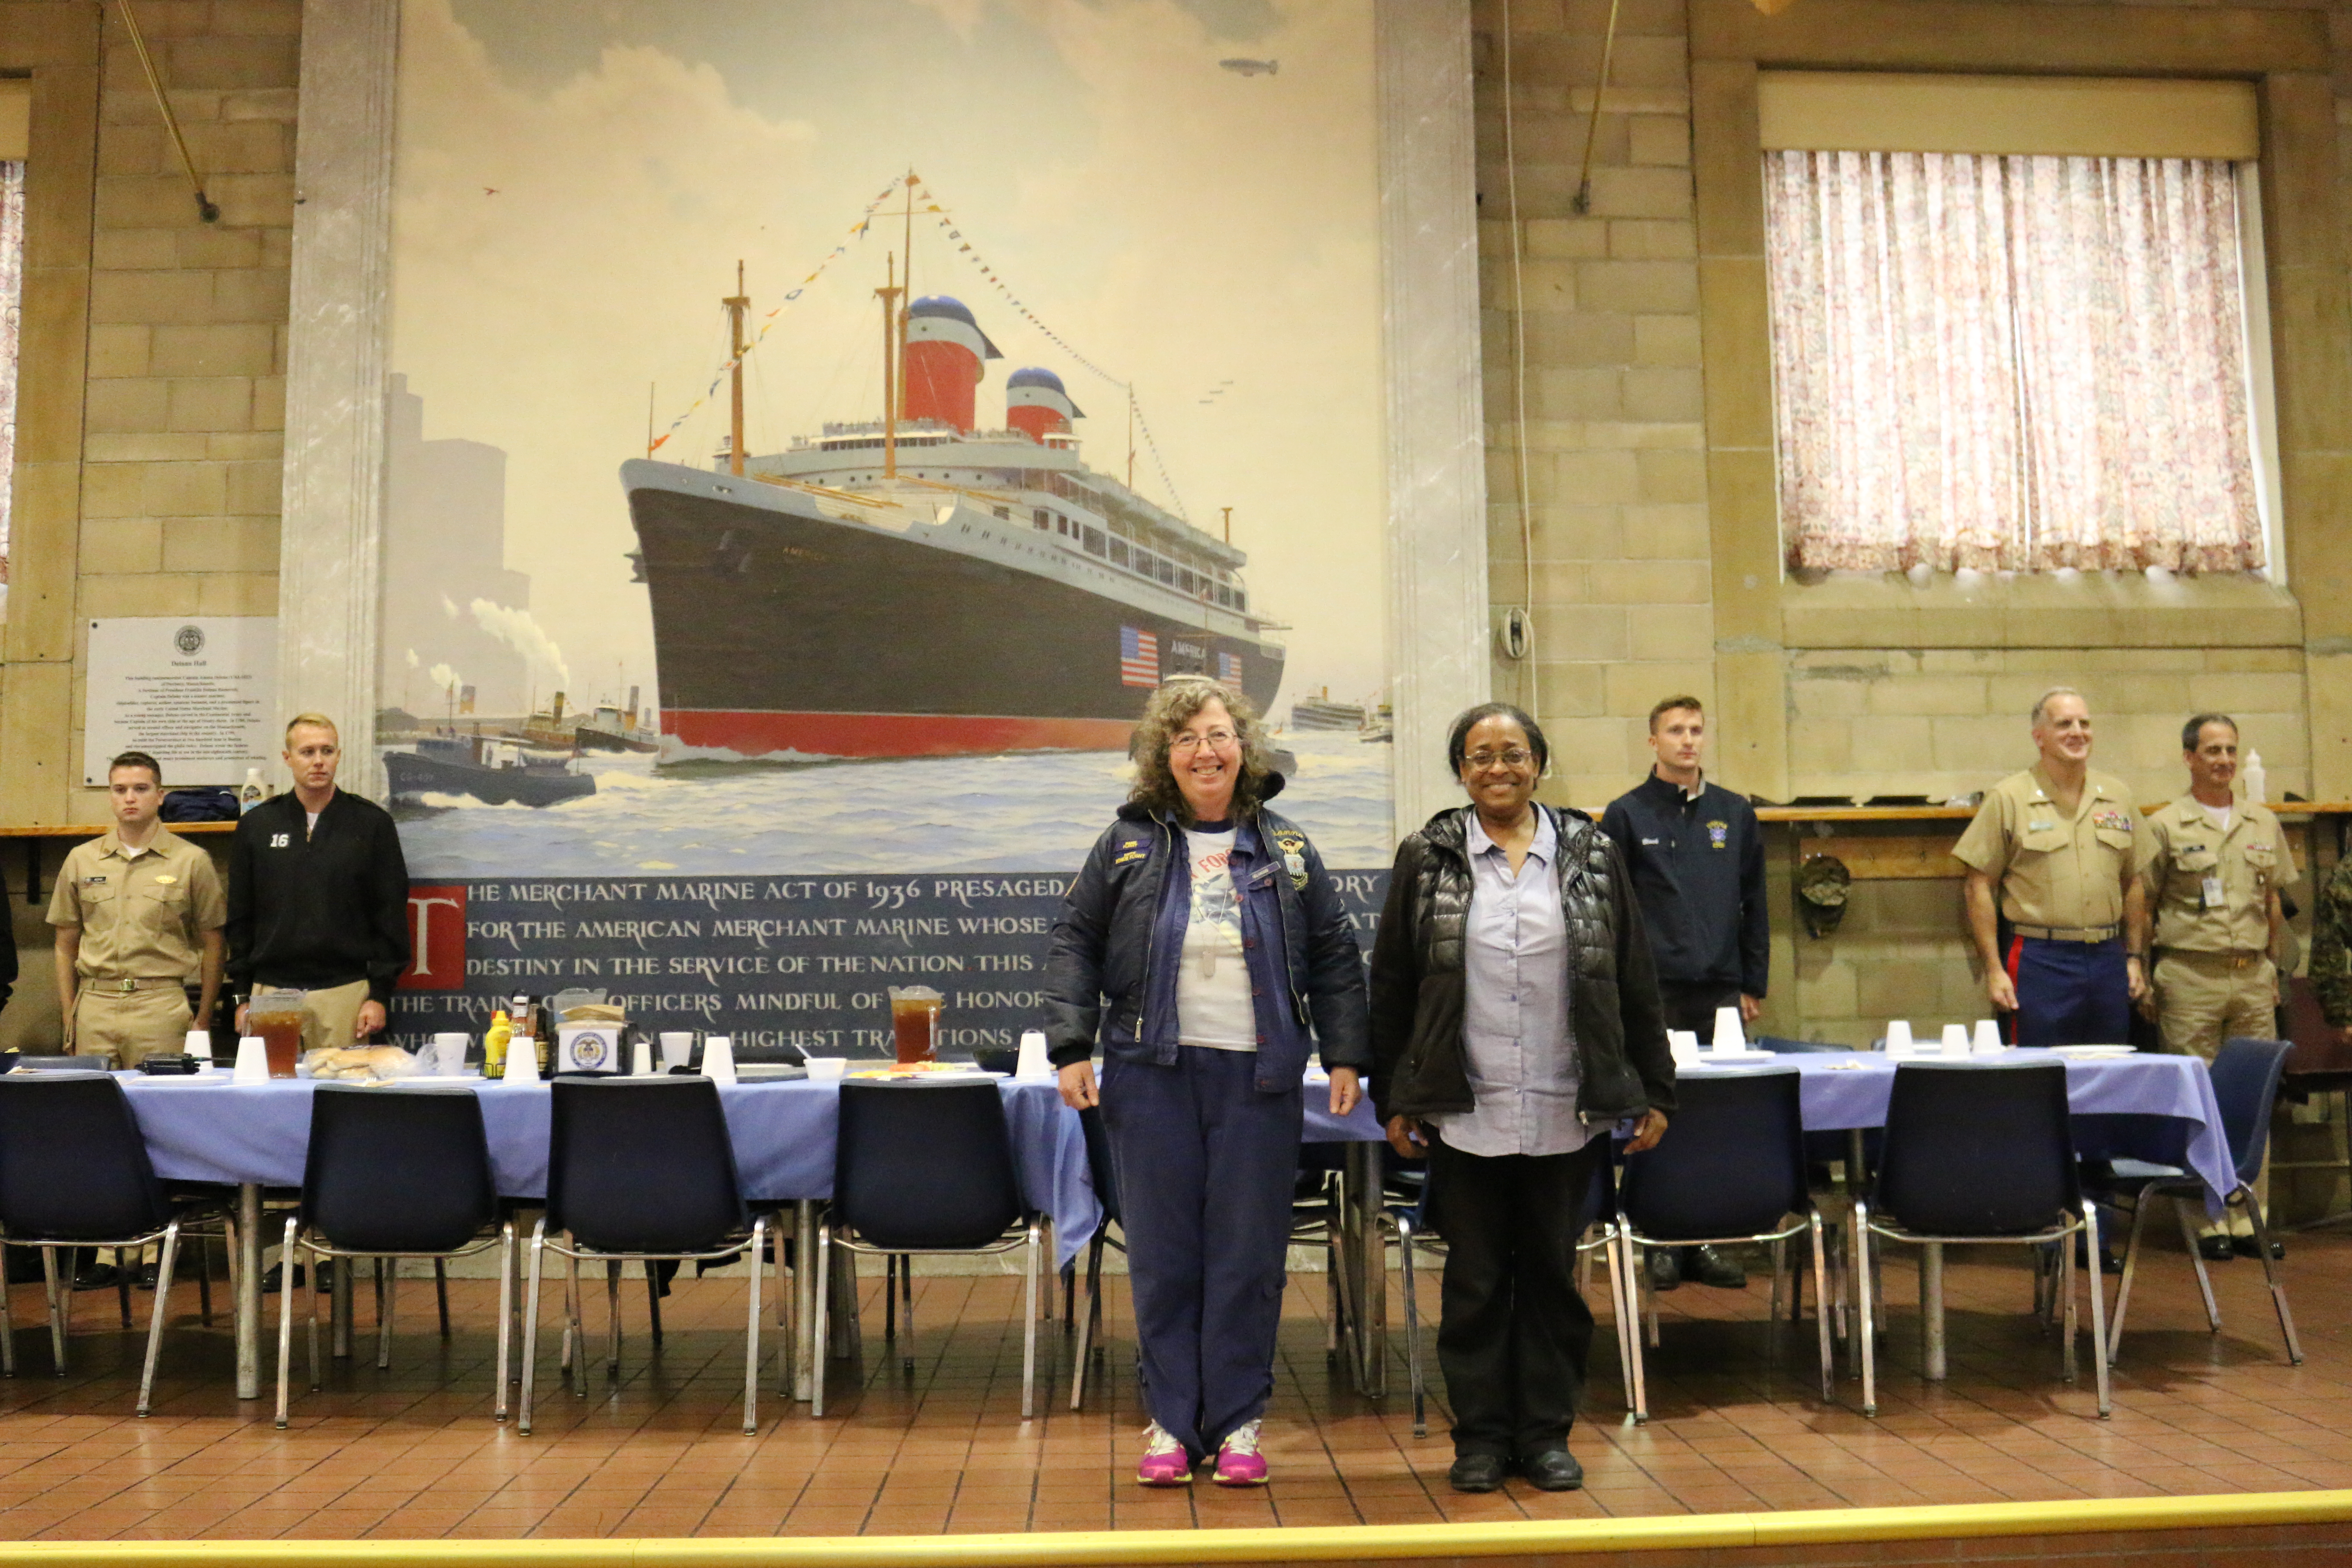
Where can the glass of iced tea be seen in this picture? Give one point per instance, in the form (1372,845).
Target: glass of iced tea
(277,1017)
(915,1022)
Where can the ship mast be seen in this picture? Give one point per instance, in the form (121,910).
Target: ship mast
(891,328)
(737,304)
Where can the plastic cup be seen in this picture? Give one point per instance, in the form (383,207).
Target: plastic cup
(1898,1036)
(915,1022)
(676,1049)
(1955,1040)
(1729,1036)
(1987,1037)
(199,1045)
(252,1060)
(449,1054)
(827,1070)
(1033,1062)
(719,1057)
(522,1060)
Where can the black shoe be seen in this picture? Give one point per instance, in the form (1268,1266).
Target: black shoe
(1665,1268)
(2217,1248)
(95,1276)
(275,1276)
(2108,1262)
(1553,1470)
(1476,1473)
(2248,1247)
(1709,1267)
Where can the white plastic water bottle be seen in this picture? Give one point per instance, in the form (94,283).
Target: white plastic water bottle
(2256,781)
(252,793)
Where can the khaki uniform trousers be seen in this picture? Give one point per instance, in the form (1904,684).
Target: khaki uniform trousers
(153,1018)
(2205,998)
(330,1017)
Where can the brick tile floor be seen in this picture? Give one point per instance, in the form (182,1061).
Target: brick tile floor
(412,1452)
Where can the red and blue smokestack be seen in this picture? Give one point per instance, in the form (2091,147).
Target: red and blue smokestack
(945,350)
(1036,405)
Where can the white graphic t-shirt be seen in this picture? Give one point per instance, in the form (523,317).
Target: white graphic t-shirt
(1213,987)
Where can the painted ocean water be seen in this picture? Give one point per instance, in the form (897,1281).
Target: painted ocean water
(1018,812)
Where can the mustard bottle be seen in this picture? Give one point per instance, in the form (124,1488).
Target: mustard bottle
(493,1045)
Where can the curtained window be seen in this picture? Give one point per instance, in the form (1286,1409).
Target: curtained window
(12,280)
(2009,363)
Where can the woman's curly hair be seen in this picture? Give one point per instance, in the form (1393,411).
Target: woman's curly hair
(1166,712)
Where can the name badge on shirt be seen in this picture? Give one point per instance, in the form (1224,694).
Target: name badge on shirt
(2212,891)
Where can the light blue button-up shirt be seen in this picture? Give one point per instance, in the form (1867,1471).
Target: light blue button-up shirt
(1517,1037)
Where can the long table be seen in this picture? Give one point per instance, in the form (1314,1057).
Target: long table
(256,1135)
(2148,1105)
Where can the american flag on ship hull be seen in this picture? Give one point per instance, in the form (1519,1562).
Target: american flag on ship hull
(1139,657)
(1229,668)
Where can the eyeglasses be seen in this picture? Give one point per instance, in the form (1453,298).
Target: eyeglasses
(1216,740)
(1514,758)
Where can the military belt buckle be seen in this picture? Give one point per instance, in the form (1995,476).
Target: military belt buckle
(123,987)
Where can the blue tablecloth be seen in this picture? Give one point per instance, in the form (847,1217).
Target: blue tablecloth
(2149,1105)
(212,1130)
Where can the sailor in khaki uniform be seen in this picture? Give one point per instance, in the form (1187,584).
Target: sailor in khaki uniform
(137,910)
(2053,851)
(2210,877)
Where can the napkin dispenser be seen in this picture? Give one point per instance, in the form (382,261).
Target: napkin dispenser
(591,1048)
(170,1064)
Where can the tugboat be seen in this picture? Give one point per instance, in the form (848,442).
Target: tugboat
(918,586)
(494,770)
(614,729)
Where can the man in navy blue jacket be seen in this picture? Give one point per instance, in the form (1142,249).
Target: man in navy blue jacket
(1697,860)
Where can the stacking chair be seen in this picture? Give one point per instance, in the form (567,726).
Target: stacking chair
(2246,1082)
(1318,1206)
(1409,1216)
(393,1173)
(74,1172)
(1105,1180)
(1977,1154)
(925,1169)
(640,1169)
(1732,1169)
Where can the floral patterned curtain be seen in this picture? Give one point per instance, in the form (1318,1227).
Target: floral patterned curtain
(12,280)
(2009,362)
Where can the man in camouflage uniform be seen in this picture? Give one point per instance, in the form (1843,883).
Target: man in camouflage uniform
(2331,949)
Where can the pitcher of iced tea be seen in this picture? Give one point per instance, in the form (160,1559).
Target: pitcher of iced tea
(277,1017)
(915,1022)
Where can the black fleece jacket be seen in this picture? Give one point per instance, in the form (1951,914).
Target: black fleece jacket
(1699,869)
(320,908)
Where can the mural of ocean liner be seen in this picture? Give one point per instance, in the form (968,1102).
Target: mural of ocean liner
(917,585)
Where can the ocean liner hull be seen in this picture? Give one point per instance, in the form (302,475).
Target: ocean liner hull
(787,629)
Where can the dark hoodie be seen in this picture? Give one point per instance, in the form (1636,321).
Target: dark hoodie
(1110,975)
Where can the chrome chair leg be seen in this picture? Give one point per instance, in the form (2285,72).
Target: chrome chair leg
(2067,1304)
(1822,1308)
(907,1297)
(2131,1269)
(1081,1328)
(575,1339)
(1780,1289)
(2270,1275)
(822,1358)
(2098,1312)
(612,1315)
(1862,1309)
(786,1307)
(2197,1261)
(1028,1327)
(285,1315)
(531,1323)
(387,1305)
(57,1313)
(441,1291)
(653,1302)
(286,1271)
(1413,1375)
(204,1279)
(1619,1317)
(1636,1275)
(890,1299)
(1931,1310)
(506,1315)
(751,1329)
(123,1269)
(155,1312)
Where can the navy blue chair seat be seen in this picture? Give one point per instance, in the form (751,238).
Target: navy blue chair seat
(1977,1152)
(2246,1074)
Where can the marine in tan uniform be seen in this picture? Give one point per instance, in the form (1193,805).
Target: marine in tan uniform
(137,912)
(2052,855)
(2210,877)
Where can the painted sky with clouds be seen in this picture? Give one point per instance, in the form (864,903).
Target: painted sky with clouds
(1186,226)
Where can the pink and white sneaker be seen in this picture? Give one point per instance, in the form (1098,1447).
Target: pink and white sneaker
(1164,1462)
(1239,1464)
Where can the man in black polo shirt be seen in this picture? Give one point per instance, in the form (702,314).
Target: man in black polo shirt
(1698,861)
(318,896)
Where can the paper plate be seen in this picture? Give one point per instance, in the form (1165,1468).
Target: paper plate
(2094,1053)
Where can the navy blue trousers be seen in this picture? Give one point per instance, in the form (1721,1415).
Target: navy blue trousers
(1205,1164)
(2069,992)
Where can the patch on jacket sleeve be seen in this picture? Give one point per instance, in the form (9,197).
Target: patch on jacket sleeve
(1130,850)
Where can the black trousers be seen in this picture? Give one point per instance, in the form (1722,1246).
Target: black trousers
(1515,1335)
(1691,1003)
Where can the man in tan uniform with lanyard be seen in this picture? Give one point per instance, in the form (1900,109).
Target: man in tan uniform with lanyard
(2210,877)
(137,910)
(2056,847)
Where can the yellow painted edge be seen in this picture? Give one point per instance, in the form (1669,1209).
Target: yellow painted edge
(1359,1542)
